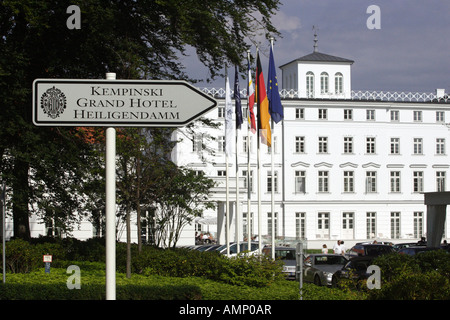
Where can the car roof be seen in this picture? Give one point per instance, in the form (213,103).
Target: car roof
(361,258)
(325,254)
(372,245)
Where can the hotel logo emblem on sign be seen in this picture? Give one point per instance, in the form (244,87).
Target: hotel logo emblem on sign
(53,102)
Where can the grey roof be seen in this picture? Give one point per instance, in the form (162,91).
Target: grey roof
(320,57)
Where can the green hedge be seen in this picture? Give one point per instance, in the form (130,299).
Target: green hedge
(16,291)
(424,276)
(23,257)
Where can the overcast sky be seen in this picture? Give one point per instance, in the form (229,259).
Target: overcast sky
(409,52)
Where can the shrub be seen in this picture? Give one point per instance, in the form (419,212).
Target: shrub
(21,257)
(257,271)
(394,264)
(424,276)
(414,286)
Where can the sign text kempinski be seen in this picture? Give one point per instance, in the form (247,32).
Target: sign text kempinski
(67,102)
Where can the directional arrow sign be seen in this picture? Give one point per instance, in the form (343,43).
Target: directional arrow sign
(117,103)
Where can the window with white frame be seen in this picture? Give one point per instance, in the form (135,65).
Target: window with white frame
(247,143)
(247,224)
(244,174)
(323,181)
(324,82)
(269,223)
(417,116)
(323,144)
(371,225)
(323,221)
(349,181)
(347,220)
(418,224)
(221,143)
(348,114)
(221,112)
(348,144)
(299,144)
(418,145)
(371,181)
(395,181)
(269,181)
(310,84)
(440,116)
(440,181)
(370,145)
(273,145)
(440,146)
(418,181)
(300,225)
(370,115)
(395,225)
(338,83)
(323,114)
(221,173)
(395,115)
(395,145)
(300,181)
(300,113)
(197,142)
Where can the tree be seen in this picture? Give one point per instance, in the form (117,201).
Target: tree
(185,198)
(136,39)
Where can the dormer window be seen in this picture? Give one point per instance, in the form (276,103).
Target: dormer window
(338,83)
(324,82)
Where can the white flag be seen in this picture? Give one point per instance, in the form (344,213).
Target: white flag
(229,125)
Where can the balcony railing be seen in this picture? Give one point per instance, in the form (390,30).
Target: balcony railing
(355,95)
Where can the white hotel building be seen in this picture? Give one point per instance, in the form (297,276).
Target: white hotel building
(347,165)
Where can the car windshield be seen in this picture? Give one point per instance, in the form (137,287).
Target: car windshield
(285,254)
(321,260)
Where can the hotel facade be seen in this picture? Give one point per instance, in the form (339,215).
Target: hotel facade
(347,165)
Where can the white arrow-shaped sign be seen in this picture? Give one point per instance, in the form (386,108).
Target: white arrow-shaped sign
(117,103)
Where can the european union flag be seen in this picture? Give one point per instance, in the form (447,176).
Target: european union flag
(273,94)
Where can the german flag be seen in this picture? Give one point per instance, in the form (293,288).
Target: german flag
(262,105)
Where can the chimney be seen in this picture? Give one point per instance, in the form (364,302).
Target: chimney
(440,93)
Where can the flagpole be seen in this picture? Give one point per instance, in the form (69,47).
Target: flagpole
(227,211)
(249,215)
(276,115)
(273,179)
(237,224)
(259,166)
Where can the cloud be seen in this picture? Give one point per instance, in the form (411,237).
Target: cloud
(287,24)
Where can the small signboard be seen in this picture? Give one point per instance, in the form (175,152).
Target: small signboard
(47,258)
(117,103)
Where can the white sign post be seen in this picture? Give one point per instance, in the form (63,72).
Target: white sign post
(118,103)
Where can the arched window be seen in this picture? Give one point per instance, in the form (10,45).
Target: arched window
(338,83)
(310,85)
(324,82)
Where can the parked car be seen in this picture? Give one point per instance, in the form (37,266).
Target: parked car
(243,248)
(355,268)
(374,250)
(287,256)
(413,250)
(206,247)
(399,246)
(319,268)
